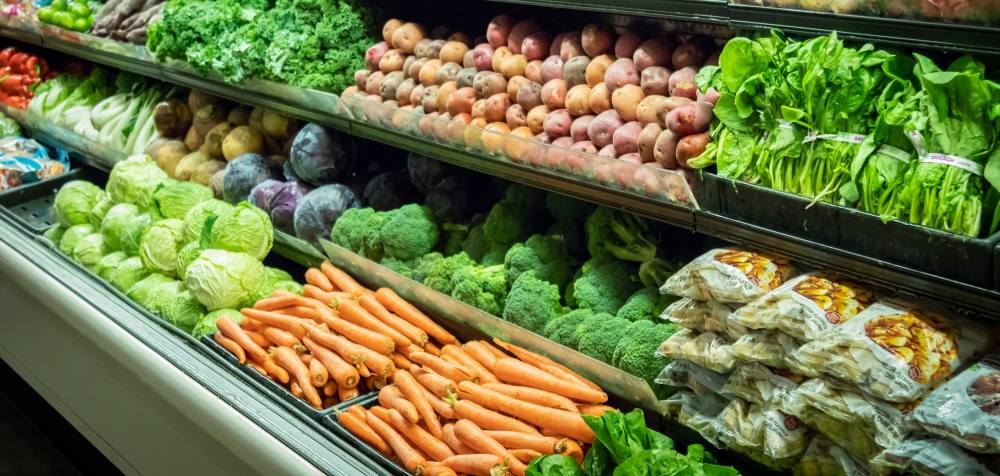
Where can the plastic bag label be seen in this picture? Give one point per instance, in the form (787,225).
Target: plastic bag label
(729,276)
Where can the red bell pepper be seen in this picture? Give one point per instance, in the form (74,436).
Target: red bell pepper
(17,62)
(5,55)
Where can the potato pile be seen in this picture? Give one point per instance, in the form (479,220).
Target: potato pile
(613,93)
(200,136)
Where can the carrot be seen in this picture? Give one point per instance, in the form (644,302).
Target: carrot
(466,360)
(476,465)
(316,278)
(378,363)
(357,410)
(380,343)
(345,394)
(594,410)
(275,303)
(273,319)
(516,440)
(318,374)
(480,353)
(329,388)
(341,280)
(231,346)
(433,446)
(546,364)
(391,397)
(324,298)
(363,371)
(342,372)
(287,359)
(374,382)
(400,361)
(304,312)
(497,352)
(490,420)
(568,423)
(440,366)
(437,469)
(410,459)
(350,351)
(352,312)
(296,390)
(249,325)
(280,337)
(474,437)
(413,392)
(407,311)
(433,349)
(359,428)
(572,449)
(516,372)
(260,339)
(275,371)
(329,402)
(525,455)
(382,413)
(229,329)
(448,436)
(534,395)
(305,358)
(410,331)
(257,367)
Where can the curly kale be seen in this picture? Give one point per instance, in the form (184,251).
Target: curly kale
(604,285)
(598,335)
(644,305)
(636,351)
(532,303)
(562,329)
(545,255)
(409,232)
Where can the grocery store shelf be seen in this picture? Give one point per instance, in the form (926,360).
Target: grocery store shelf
(712,11)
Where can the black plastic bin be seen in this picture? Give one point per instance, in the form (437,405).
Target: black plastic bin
(330,421)
(31,204)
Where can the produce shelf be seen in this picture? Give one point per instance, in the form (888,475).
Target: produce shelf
(712,11)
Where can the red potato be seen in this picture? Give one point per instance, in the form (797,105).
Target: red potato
(647,142)
(440,32)
(461,101)
(693,52)
(517,116)
(353,90)
(682,83)
(602,129)
(391,61)
(598,39)
(466,77)
(711,96)
(566,142)
(579,129)
(578,100)
(628,41)
(494,136)
(597,68)
(543,138)
(551,69)
(690,147)
(429,100)
(469,60)
(453,52)
(361,78)
(428,73)
(556,45)
(690,119)
(499,55)
(498,30)
(626,138)
(624,171)
(554,94)
(665,150)
(441,125)
(496,107)
(647,110)
(488,83)
(607,151)
(456,130)
(713,59)
(575,70)
(514,85)
(375,98)
(571,46)
(414,70)
(447,72)
(461,38)
(620,73)
(389,28)
(519,32)
(600,99)
(483,57)
(373,82)
(479,110)
(536,45)
(417,96)
(536,119)
(513,65)
(557,123)
(374,55)
(405,91)
(626,101)
(585,146)
(387,88)
(405,37)
(422,48)
(655,52)
(655,81)
(534,71)
(529,95)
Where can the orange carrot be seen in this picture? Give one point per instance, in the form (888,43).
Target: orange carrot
(257,367)
(229,329)
(304,312)
(438,469)
(231,346)
(316,278)
(525,455)
(352,312)
(407,311)
(329,388)
(345,394)
(433,349)
(296,390)
(568,423)
(515,372)
(341,281)
(476,465)
(305,358)
(400,361)
(287,359)
(275,303)
(275,371)
(490,420)
(280,337)
(378,363)
(546,364)
(359,428)
(440,366)
(410,459)
(480,353)
(441,407)
(382,413)
(433,446)
(474,437)
(513,440)
(448,436)
(249,325)
(410,331)
(345,374)
(273,319)
(380,343)
(572,449)
(466,360)
(329,402)
(374,382)
(594,410)
(534,395)
(391,397)
(324,298)
(357,410)
(350,351)
(318,374)
(413,392)
(260,339)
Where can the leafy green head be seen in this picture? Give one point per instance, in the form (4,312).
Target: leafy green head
(221,279)
(131,236)
(177,199)
(74,202)
(244,228)
(114,224)
(72,236)
(160,245)
(131,176)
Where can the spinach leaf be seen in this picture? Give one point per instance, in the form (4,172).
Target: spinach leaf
(554,465)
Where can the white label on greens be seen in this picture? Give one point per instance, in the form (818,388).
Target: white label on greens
(783,124)
(917,143)
(954,161)
(898,154)
(810,136)
(848,137)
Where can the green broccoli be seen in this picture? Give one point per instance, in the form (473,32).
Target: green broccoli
(644,305)
(532,303)
(404,268)
(636,351)
(562,329)
(409,232)
(545,255)
(516,217)
(598,335)
(568,209)
(349,230)
(573,235)
(495,255)
(441,273)
(453,239)
(372,246)
(421,265)
(605,285)
(476,244)
(481,287)
(627,237)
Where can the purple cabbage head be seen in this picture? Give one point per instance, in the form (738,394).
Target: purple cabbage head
(320,156)
(246,172)
(320,209)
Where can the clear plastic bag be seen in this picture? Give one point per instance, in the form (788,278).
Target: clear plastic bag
(760,384)
(825,458)
(685,374)
(808,305)
(896,350)
(701,413)
(933,457)
(708,349)
(704,316)
(25,161)
(768,347)
(730,276)
(767,435)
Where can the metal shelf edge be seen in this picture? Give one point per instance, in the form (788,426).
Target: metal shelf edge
(689,10)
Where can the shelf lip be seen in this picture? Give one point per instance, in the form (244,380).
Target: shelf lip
(707,11)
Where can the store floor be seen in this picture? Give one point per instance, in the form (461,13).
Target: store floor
(35,440)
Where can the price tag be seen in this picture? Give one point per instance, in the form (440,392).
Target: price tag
(954,161)
(917,143)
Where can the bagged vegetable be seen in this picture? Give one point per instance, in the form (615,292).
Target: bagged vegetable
(767,435)
(704,316)
(730,276)
(966,409)
(26,161)
(708,349)
(808,305)
(896,349)
(825,458)
(767,347)
(686,374)
(931,457)
(701,413)
(760,384)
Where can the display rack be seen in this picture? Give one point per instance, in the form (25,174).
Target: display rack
(710,11)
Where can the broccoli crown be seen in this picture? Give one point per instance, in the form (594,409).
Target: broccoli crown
(525,196)
(495,255)
(349,230)
(516,217)
(441,273)
(645,304)
(598,335)
(476,244)
(404,268)
(636,351)
(469,292)
(532,303)
(409,232)
(621,235)
(453,239)
(562,329)
(655,272)
(488,278)
(567,209)
(545,255)
(371,242)
(421,265)
(605,285)
(573,235)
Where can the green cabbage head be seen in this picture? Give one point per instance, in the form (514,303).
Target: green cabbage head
(108,264)
(128,273)
(273,275)
(194,221)
(97,213)
(131,236)
(89,250)
(246,229)
(207,324)
(176,199)
(141,291)
(72,236)
(221,279)
(160,246)
(114,224)
(160,294)
(131,176)
(75,201)
(55,234)
(145,200)
(183,311)
(187,255)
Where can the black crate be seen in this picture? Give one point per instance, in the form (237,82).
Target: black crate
(330,421)
(30,205)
